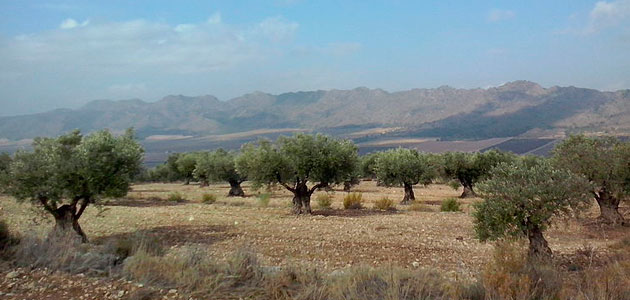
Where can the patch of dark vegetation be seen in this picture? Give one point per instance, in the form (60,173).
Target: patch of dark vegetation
(352,212)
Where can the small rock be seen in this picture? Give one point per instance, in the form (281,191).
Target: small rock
(415,264)
(120,294)
(172,291)
(13,274)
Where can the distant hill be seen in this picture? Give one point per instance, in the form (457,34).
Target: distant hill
(519,108)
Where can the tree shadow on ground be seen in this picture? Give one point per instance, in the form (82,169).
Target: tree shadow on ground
(352,212)
(177,235)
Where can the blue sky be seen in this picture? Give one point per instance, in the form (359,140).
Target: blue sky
(65,53)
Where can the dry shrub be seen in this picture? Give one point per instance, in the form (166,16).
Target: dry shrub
(208,198)
(390,283)
(188,269)
(295,283)
(510,275)
(384,204)
(176,197)
(64,252)
(353,201)
(324,201)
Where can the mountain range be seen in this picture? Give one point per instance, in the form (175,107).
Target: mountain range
(515,109)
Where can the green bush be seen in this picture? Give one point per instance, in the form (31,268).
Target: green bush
(353,201)
(454,184)
(450,204)
(208,198)
(384,204)
(263,199)
(324,201)
(176,197)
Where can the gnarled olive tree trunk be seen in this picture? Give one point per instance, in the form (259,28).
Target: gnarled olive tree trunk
(302,195)
(235,189)
(609,207)
(538,246)
(468,188)
(67,219)
(409,195)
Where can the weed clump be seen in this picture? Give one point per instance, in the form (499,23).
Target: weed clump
(263,199)
(450,204)
(176,197)
(324,201)
(208,198)
(384,204)
(353,201)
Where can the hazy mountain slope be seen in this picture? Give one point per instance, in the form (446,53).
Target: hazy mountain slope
(509,110)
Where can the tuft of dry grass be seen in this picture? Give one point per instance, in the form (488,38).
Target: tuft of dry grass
(324,201)
(384,204)
(353,201)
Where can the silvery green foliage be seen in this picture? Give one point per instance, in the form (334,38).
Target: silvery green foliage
(525,196)
(73,167)
(403,166)
(318,159)
(217,166)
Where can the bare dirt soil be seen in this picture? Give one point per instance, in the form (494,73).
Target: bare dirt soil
(330,239)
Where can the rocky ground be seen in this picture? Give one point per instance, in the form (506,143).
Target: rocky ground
(331,239)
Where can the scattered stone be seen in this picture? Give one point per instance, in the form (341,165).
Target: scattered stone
(12,274)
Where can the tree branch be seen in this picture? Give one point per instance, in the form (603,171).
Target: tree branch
(44,201)
(315,187)
(84,205)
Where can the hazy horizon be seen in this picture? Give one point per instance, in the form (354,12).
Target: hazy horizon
(78,52)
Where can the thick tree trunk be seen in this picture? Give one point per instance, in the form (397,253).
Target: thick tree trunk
(203,183)
(302,199)
(235,189)
(538,247)
(347,186)
(409,196)
(468,191)
(187,181)
(609,208)
(66,219)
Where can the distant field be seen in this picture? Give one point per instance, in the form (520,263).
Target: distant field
(522,146)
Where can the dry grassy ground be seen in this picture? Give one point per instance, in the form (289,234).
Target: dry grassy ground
(330,239)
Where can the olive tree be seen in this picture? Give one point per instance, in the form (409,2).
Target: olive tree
(186,163)
(605,162)
(470,168)
(294,162)
(367,163)
(64,175)
(521,199)
(5,162)
(220,166)
(405,167)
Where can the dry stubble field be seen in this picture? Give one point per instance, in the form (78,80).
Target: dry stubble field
(330,239)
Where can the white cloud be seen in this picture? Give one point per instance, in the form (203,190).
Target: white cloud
(605,14)
(142,46)
(276,29)
(497,15)
(215,18)
(72,23)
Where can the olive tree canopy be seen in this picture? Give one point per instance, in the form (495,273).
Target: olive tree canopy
(405,167)
(66,174)
(470,168)
(219,166)
(520,200)
(605,162)
(295,161)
